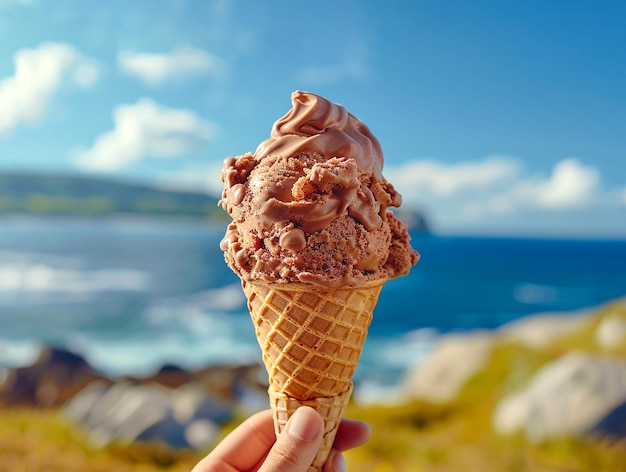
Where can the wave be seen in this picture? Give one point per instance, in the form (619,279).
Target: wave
(143,354)
(18,352)
(227,298)
(213,327)
(25,273)
(530,293)
(553,295)
(191,331)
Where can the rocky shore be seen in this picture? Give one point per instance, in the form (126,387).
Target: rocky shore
(179,407)
(564,373)
(542,378)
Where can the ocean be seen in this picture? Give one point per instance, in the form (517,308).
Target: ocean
(131,295)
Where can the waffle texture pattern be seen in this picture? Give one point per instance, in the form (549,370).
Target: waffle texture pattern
(311,339)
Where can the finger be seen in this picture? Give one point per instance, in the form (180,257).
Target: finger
(351,434)
(297,445)
(255,436)
(335,462)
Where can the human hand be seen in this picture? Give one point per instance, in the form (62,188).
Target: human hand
(253,446)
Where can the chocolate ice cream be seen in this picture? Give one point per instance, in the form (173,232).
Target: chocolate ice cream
(311,204)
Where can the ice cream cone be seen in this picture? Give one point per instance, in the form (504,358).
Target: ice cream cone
(330,408)
(311,340)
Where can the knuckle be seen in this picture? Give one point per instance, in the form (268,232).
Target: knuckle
(288,457)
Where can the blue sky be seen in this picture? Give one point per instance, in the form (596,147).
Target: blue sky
(495,117)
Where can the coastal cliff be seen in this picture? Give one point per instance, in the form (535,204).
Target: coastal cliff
(44,194)
(52,195)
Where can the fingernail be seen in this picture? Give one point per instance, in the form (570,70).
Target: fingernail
(305,424)
(339,463)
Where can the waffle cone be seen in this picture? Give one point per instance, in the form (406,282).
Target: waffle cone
(311,337)
(311,340)
(330,408)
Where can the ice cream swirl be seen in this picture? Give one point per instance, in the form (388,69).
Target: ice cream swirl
(315,125)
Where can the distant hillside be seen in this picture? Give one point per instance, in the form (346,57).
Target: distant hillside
(45,194)
(414,219)
(64,194)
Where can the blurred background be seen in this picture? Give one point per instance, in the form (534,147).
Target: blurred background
(503,126)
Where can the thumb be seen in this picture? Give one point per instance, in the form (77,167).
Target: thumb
(298,444)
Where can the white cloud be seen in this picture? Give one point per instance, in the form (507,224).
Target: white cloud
(146,129)
(195,177)
(182,63)
(429,177)
(40,73)
(498,192)
(571,185)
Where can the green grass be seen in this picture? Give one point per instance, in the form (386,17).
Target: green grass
(413,437)
(419,437)
(42,440)
(584,338)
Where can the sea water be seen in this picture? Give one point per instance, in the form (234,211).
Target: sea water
(131,295)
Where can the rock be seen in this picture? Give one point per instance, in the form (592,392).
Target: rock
(171,376)
(81,406)
(613,424)
(538,331)
(176,406)
(453,361)
(570,396)
(4,373)
(611,332)
(200,434)
(230,381)
(414,219)
(221,381)
(124,412)
(55,377)
(128,411)
(164,430)
(192,401)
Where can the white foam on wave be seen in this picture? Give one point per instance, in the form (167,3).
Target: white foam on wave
(29,273)
(534,294)
(228,298)
(18,352)
(190,331)
(217,313)
(143,355)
